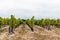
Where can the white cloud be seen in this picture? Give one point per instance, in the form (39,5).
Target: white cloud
(21,8)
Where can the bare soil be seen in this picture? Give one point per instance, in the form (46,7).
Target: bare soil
(25,33)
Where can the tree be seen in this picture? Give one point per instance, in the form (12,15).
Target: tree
(30,23)
(1,21)
(53,22)
(46,23)
(57,23)
(12,24)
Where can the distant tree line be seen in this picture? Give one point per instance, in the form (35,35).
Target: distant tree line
(14,22)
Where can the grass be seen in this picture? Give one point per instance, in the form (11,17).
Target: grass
(1,31)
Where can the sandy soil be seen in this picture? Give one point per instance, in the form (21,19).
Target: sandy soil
(25,33)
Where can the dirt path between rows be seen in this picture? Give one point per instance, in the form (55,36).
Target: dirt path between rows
(24,33)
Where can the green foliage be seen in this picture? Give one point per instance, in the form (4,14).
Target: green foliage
(1,21)
(6,21)
(13,22)
(28,22)
(46,21)
(32,21)
(1,31)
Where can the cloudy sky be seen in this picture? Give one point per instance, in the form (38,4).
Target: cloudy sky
(28,8)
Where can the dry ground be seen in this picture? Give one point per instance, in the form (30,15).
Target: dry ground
(24,33)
